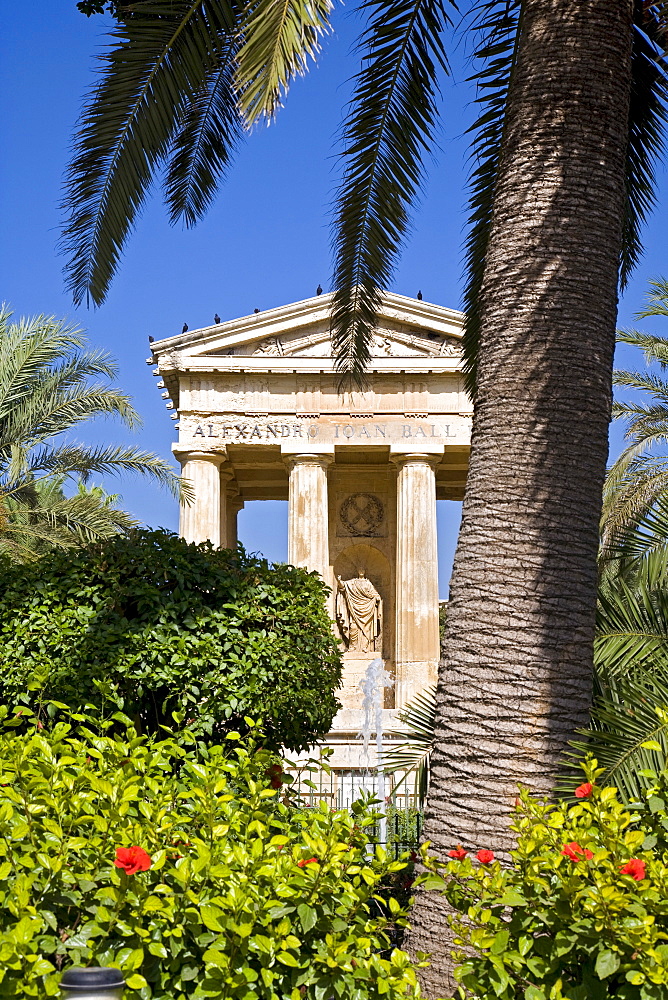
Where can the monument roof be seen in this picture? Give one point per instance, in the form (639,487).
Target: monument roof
(411,335)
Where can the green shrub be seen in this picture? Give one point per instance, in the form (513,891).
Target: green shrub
(565,921)
(248,895)
(156,626)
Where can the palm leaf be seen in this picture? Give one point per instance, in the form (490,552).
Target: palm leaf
(631,627)
(82,462)
(39,516)
(162,57)
(50,413)
(643,381)
(33,347)
(386,135)
(279,38)
(654,347)
(208,133)
(641,549)
(657,305)
(498,23)
(629,712)
(647,131)
(413,756)
(648,113)
(630,495)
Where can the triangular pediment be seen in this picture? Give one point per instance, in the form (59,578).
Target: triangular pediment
(407,328)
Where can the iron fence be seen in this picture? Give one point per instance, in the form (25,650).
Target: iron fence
(339,788)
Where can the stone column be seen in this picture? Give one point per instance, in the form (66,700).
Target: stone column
(417,640)
(234,505)
(200,522)
(308,513)
(226,475)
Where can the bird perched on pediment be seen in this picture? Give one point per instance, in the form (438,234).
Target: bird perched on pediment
(419,295)
(151,339)
(185,328)
(318,290)
(256,310)
(216,318)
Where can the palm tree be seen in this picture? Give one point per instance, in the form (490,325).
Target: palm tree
(640,475)
(572,118)
(45,391)
(516,681)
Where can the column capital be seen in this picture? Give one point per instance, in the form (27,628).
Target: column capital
(186,455)
(308,458)
(416,457)
(227,474)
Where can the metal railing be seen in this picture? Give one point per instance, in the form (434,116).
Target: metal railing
(340,788)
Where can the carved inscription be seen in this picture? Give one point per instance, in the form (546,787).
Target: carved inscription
(368,430)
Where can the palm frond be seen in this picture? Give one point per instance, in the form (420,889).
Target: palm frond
(412,757)
(40,516)
(83,462)
(646,534)
(657,303)
(50,413)
(653,346)
(208,133)
(631,627)
(648,114)
(387,132)
(629,712)
(498,23)
(644,381)
(279,38)
(159,60)
(33,348)
(628,495)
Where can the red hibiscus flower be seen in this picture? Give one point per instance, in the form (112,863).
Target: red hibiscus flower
(484,856)
(132,859)
(635,868)
(584,791)
(575,852)
(459,853)
(307,861)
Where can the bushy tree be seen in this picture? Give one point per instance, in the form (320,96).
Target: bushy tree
(156,626)
(580,913)
(183,867)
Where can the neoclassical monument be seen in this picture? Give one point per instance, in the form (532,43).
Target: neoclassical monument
(260,418)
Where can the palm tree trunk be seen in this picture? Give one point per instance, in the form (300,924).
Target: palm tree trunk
(515,680)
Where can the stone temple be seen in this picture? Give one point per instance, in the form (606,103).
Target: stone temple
(260,418)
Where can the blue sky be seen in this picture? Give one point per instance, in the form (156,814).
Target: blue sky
(264,243)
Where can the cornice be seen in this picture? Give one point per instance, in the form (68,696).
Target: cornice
(308,312)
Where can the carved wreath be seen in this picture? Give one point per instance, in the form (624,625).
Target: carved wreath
(361,513)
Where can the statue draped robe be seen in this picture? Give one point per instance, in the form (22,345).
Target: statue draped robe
(359,614)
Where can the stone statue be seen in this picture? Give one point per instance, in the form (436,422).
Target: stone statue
(359,613)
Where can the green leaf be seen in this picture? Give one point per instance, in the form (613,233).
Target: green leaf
(500,942)
(135,981)
(607,963)
(432,882)
(307,916)
(287,959)
(211,917)
(511,897)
